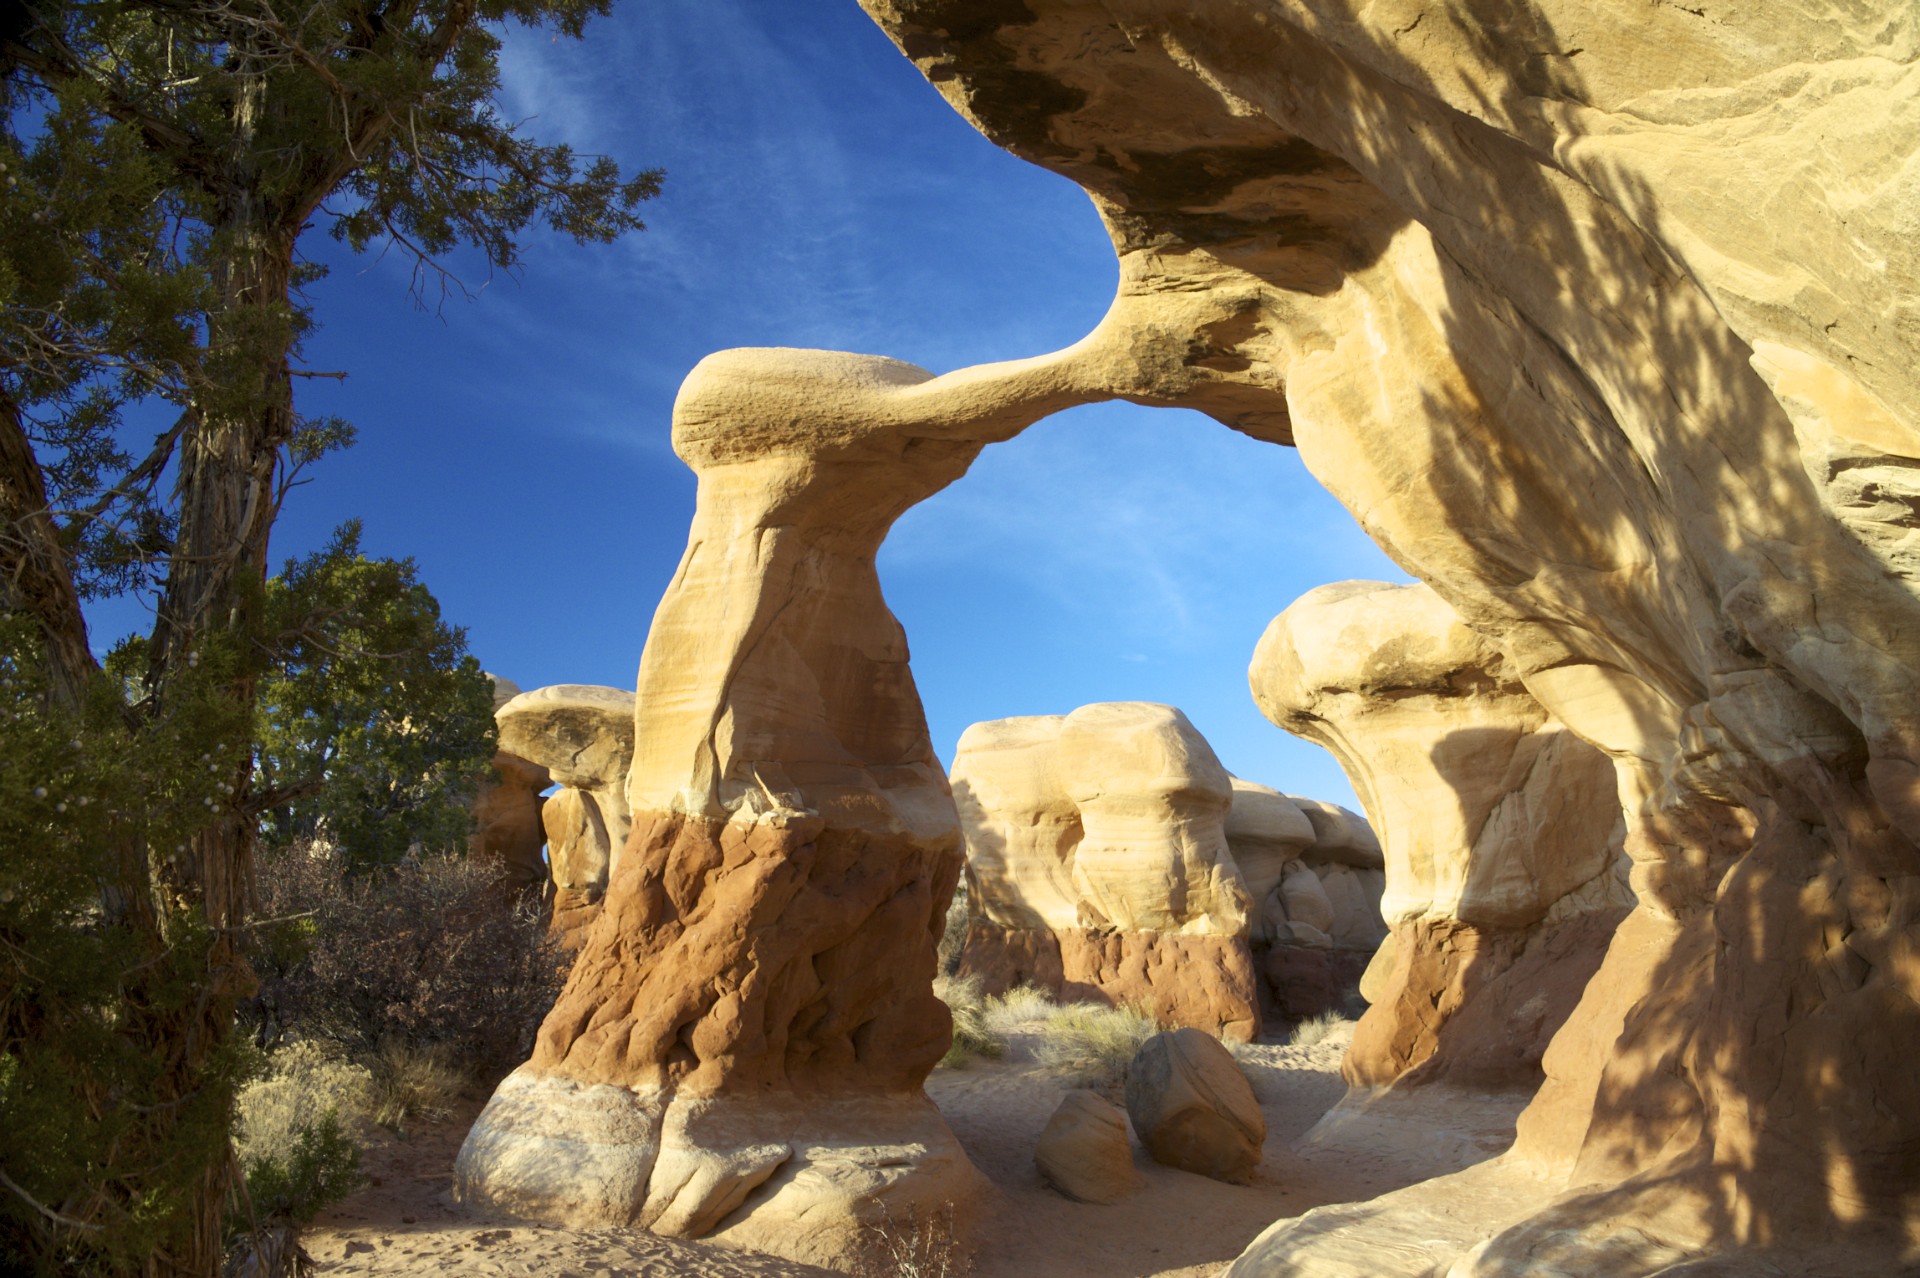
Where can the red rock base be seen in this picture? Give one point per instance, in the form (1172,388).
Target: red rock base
(1206,982)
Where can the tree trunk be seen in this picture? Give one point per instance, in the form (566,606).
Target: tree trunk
(209,607)
(34,576)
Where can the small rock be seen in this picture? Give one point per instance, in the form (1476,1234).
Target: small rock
(1084,1152)
(1193,1108)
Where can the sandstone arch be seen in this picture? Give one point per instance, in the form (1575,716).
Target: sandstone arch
(1494,269)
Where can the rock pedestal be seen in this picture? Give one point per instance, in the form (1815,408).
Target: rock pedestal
(1098,865)
(740,1046)
(1504,873)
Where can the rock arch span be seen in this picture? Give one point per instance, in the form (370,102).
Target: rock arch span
(1497,268)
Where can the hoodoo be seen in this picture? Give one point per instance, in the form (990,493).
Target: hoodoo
(1601,319)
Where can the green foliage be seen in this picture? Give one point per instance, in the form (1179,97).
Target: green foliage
(102,1144)
(317,1169)
(373,720)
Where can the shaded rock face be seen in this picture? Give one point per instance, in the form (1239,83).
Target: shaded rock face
(1501,828)
(1111,857)
(1084,1152)
(507,812)
(1600,318)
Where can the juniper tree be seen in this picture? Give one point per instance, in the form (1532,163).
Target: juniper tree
(163,160)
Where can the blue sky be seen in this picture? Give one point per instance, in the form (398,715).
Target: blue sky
(818,193)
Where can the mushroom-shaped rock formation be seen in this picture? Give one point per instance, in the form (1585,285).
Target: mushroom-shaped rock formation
(741,1042)
(582,734)
(1098,866)
(1503,862)
(507,805)
(1110,856)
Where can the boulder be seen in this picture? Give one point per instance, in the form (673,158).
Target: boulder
(1084,1151)
(1193,1108)
(506,811)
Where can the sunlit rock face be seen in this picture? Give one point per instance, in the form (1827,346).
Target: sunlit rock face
(581,736)
(1601,318)
(1504,872)
(740,1046)
(1098,864)
(1110,857)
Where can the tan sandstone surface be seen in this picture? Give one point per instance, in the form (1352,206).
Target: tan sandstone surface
(1110,857)
(1504,872)
(1602,319)
(1173,1224)
(582,736)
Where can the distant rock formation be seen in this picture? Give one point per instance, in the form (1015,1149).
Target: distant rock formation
(1504,871)
(507,805)
(1111,857)
(582,736)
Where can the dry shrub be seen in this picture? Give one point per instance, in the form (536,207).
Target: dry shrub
(912,1248)
(971,1036)
(303,1080)
(1317,1029)
(294,1135)
(411,1083)
(430,954)
(1020,1006)
(1093,1045)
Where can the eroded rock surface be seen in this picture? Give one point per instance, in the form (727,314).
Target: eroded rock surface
(1110,856)
(1192,1106)
(1601,319)
(582,736)
(1501,828)
(1084,1152)
(741,1042)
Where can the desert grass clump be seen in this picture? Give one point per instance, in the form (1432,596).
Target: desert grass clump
(912,1248)
(413,1084)
(1021,1006)
(971,1037)
(1093,1045)
(1317,1029)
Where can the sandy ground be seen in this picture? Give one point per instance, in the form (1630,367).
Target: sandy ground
(1180,1226)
